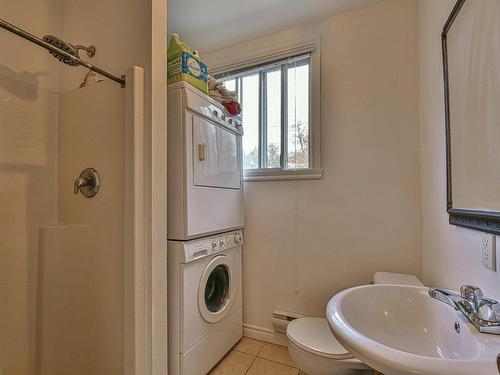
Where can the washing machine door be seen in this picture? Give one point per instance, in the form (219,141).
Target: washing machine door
(215,293)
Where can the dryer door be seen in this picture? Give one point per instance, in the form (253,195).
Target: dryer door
(216,159)
(215,293)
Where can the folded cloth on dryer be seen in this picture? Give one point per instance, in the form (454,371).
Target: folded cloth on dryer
(215,94)
(218,91)
(228,99)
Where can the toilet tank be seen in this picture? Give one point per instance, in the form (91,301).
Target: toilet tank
(396,278)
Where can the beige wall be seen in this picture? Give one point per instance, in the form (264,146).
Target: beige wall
(307,240)
(91,134)
(28,173)
(121,33)
(30,105)
(22,60)
(451,255)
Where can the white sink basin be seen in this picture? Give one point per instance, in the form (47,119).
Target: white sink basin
(400,330)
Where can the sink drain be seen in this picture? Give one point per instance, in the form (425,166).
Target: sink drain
(457,327)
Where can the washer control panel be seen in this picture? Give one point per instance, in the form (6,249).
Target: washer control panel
(203,247)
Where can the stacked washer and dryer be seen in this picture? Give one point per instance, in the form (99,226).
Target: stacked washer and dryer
(205,238)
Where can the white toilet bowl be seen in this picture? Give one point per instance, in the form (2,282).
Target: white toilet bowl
(317,352)
(315,349)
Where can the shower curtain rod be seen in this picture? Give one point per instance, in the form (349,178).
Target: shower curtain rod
(26,35)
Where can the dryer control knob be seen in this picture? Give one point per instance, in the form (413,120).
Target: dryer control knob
(221,243)
(237,238)
(214,245)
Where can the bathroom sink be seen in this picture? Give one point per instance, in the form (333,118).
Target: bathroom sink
(400,330)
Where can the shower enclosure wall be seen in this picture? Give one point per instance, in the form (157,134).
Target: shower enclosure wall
(73,270)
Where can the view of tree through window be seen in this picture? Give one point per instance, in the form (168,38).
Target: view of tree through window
(275,114)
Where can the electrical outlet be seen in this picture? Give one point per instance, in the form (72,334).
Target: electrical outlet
(489,252)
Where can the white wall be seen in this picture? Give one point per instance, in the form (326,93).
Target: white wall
(451,255)
(307,240)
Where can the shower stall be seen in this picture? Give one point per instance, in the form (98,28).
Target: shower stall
(75,200)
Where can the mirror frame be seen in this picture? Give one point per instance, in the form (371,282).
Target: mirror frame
(485,221)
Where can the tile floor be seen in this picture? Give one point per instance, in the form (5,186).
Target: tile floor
(254,357)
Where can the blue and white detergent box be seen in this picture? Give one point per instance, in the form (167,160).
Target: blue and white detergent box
(194,67)
(184,65)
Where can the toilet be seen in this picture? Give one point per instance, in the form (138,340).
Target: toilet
(315,349)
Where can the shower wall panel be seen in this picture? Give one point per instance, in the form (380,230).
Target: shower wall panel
(91,135)
(28,198)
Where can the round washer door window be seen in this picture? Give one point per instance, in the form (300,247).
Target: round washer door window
(217,289)
(214,295)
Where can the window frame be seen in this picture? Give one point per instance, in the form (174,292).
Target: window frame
(256,63)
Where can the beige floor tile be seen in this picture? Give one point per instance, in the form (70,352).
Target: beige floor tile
(235,363)
(277,353)
(264,367)
(250,346)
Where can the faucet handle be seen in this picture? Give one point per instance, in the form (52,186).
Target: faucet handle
(472,294)
(87,183)
(80,183)
(490,301)
(489,310)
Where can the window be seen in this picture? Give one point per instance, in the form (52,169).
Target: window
(276,116)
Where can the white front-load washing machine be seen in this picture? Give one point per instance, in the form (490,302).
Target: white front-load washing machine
(205,301)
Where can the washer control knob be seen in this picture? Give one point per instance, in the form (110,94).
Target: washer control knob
(216,113)
(237,238)
(214,245)
(221,242)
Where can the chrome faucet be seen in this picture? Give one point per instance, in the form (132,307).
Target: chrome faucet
(483,313)
(88,183)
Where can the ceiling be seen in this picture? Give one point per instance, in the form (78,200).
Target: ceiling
(210,24)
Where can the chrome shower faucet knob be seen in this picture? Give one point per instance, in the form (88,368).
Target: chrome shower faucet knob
(88,183)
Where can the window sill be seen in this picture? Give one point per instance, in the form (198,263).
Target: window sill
(277,174)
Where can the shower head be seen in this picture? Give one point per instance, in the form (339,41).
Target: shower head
(67,47)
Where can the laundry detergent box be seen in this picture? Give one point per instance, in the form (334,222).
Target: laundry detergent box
(185,65)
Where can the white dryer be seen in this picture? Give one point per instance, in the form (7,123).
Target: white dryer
(205,175)
(205,301)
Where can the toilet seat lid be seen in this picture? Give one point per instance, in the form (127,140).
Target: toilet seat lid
(314,336)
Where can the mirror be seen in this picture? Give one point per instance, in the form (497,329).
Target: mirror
(471,62)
